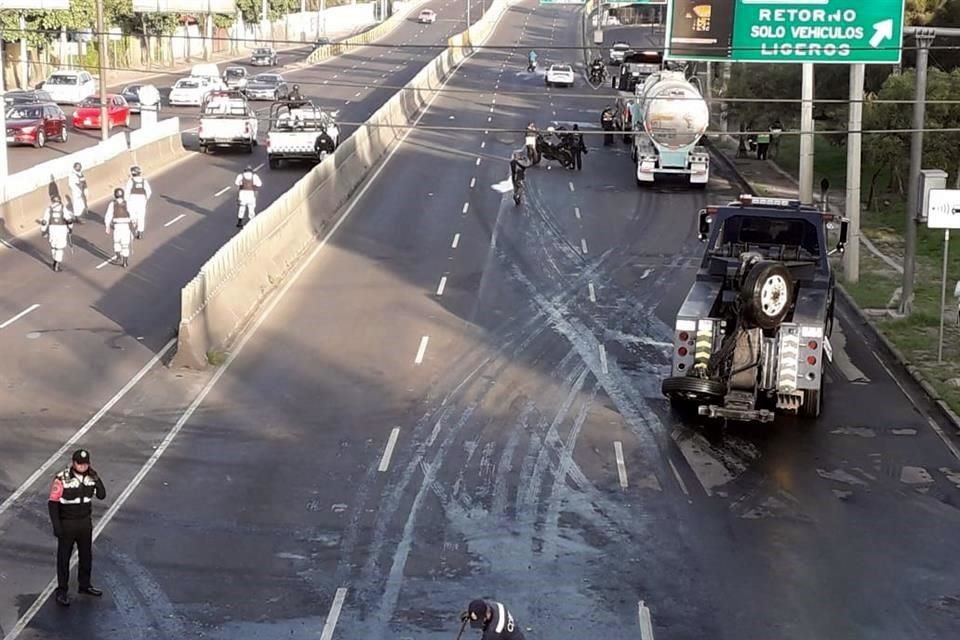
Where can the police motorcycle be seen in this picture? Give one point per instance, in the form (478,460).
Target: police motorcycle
(598,71)
(555,147)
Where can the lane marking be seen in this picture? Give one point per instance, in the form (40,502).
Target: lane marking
(583,245)
(388,452)
(456,241)
(177,219)
(570,184)
(473,182)
(676,474)
(466,207)
(334,614)
(478,162)
(593,292)
(621,464)
(103,264)
(576,212)
(82,431)
(603,358)
(356,95)
(489,118)
(6,244)
(222,191)
(422,350)
(347,102)
(483,144)
(18,316)
(442,285)
(258,167)
(325,81)
(646,623)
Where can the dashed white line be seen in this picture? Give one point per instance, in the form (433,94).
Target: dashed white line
(570,184)
(576,212)
(489,118)
(491,109)
(466,207)
(583,245)
(356,95)
(388,452)
(258,167)
(334,614)
(456,241)
(347,102)
(483,144)
(646,623)
(603,358)
(18,316)
(473,182)
(478,162)
(422,350)
(676,474)
(442,285)
(621,464)
(325,81)
(177,219)
(103,264)
(222,191)
(592,292)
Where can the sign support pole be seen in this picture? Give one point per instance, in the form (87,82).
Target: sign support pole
(3,127)
(943,293)
(806,135)
(102,70)
(851,257)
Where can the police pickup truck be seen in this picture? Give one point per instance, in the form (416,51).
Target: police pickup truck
(752,334)
(226,120)
(296,125)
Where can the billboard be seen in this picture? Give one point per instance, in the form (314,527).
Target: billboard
(37,5)
(185,6)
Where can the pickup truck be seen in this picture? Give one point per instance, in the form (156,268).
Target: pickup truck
(226,120)
(295,126)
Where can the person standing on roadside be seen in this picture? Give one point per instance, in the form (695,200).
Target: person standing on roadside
(71,514)
(579,148)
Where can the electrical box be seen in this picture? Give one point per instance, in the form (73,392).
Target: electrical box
(929,179)
(598,36)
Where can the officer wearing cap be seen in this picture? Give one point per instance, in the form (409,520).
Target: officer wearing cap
(494,618)
(70,505)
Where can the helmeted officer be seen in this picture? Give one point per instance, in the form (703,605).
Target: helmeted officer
(138,192)
(119,223)
(607,117)
(495,620)
(71,509)
(248,183)
(78,190)
(579,148)
(56,225)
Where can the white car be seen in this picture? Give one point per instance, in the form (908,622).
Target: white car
(617,51)
(70,86)
(427,16)
(190,92)
(559,74)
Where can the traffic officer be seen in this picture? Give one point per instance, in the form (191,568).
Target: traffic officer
(519,163)
(763,144)
(606,123)
(70,506)
(138,192)
(324,145)
(56,225)
(579,148)
(494,618)
(248,184)
(121,225)
(530,142)
(78,190)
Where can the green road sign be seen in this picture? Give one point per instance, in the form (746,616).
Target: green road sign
(820,31)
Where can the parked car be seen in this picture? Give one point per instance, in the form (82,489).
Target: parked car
(25,96)
(264,57)
(427,16)
(267,86)
(131,94)
(70,86)
(35,124)
(190,92)
(235,78)
(87,114)
(559,74)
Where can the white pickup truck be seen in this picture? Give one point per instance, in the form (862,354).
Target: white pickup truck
(295,127)
(226,120)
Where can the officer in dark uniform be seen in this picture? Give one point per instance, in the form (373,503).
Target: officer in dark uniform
(606,123)
(579,148)
(70,505)
(324,144)
(495,620)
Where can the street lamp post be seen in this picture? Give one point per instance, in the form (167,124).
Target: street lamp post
(102,79)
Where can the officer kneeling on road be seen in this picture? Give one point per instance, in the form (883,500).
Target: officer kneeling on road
(494,618)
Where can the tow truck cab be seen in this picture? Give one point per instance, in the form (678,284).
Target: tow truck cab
(751,336)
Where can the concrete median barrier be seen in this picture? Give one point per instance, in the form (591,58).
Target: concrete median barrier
(234,283)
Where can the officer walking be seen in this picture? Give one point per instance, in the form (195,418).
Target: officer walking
(138,192)
(606,123)
(121,225)
(70,506)
(579,147)
(248,183)
(78,191)
(494,619)
(56,225)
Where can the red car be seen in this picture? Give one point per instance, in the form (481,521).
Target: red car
(35,124)
(87,113)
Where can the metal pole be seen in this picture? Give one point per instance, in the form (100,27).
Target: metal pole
(101,69)
(709,91)
(323,16)
(208,35)
(851,257)
(303,20)
(24,54)
(924,39)
(943,293)
(468,14)
(806,135)
(3,127)
(264,17)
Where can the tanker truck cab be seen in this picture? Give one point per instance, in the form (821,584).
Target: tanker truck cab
(670,118)
(753,333)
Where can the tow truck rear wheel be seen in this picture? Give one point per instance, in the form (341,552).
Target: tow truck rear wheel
(691,389)
(767,292)
(812,403)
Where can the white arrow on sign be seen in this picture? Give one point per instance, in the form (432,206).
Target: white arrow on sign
(882,30)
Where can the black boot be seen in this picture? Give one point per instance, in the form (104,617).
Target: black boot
(239,223)
(126,261)
(53,265)
(91,591)
(63,599)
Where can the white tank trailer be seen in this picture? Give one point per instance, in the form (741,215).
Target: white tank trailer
(672,116)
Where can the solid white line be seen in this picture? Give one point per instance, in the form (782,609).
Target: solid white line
(466,207)
(18,316)
(646,623)
(258,167)
(177,219)
(347,102)
(576,212)
(456,241)
(593,292)
(570,184)
(6,244)
(621,464)
(583,245)
(478,162)
(676,474)
(103,264)
(473,182)
(58,455)
(388,452)
(334,614)
(442,285)
(491,109)
(222,191)
(325,81)
(422,350)
(603,358)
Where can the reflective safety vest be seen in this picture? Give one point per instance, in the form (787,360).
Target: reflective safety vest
(121,215)
(56,214)
(138,188)
(247,183)
(763,138)
(74,493)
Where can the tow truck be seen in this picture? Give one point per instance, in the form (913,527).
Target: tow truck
(753,332)
(295,125)
(226,120)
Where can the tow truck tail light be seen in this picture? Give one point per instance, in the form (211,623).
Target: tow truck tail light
(812,345)
(682,351)
(811,360)
(684,336)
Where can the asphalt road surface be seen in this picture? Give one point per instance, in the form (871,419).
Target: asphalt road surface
(459,398)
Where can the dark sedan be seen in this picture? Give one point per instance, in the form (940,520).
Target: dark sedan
(264,57)
(19,96)
(267,86)
(34,124)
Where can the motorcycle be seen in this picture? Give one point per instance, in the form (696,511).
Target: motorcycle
(597,74)
(559,152)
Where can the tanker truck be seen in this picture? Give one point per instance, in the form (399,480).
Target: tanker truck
(669,118)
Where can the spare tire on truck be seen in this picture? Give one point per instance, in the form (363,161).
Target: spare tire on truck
(767,293)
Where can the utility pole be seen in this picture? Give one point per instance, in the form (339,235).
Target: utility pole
(924,40)
(208,40)
(468,14)
(806,135)
(851,257)
(3,127)
(265,24)
(102,69)
(303,20)
(24,54)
